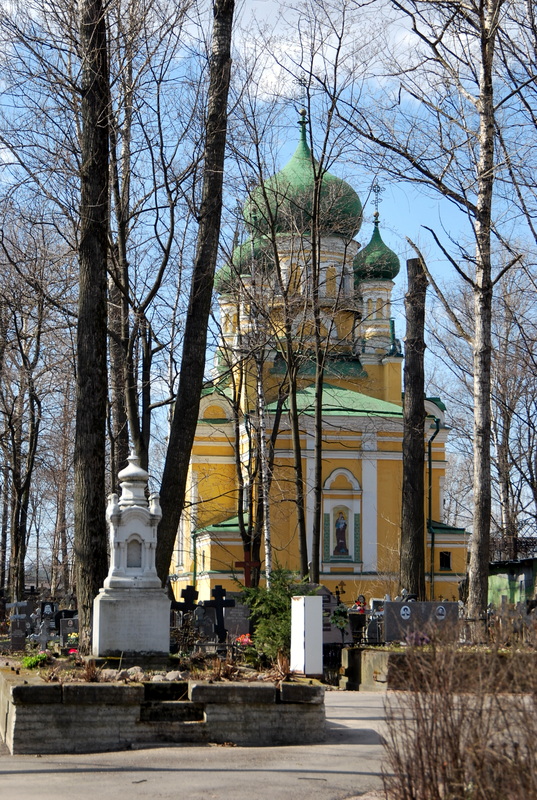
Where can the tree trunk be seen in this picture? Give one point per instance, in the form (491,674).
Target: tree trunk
(118,424)
(412,565)
(91,395)
(185,415)
(480,541)
(5,524)
(297,459)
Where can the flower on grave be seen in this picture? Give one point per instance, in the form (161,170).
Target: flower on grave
(244,640)
(73,651)
(340,616)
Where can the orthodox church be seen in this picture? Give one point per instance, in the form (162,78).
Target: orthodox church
(278,474)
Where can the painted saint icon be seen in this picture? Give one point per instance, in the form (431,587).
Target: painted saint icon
(341,548)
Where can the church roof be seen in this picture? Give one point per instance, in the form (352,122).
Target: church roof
(376,261)
(227,525)
(253,251)
(338,401)
(442,527)
(285,202)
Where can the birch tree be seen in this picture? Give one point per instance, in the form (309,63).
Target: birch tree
(436,122)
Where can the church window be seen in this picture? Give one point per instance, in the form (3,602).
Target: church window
(331,281)
(379,308)
(445,560)
(180,543)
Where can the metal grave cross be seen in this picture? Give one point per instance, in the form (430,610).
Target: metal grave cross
(219,602)
(190,596)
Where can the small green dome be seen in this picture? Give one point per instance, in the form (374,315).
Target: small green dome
(252,251)
(376,261)
(289,197)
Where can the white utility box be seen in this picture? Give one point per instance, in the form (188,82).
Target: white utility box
(307,635)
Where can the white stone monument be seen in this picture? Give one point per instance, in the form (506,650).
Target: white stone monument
(131,613)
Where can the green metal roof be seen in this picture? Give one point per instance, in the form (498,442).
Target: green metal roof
(438,402)
(227,525)
(259,250)
(287,198)
(376,261)
(441,527)
(343,402)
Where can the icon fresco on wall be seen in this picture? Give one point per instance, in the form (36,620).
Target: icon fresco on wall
(341,528)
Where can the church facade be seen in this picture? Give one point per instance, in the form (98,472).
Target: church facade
(305,313)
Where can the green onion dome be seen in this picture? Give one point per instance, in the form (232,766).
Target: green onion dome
(256,251)
(376,261)
(285,203)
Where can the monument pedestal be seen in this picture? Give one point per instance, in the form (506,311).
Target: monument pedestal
(128,621)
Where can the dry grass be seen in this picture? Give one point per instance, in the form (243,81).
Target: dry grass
(450,738)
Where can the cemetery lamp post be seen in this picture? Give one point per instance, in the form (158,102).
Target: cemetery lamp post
(430,528)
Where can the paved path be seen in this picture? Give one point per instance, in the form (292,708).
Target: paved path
(346,766)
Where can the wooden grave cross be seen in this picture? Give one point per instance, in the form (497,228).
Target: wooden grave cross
(248,565)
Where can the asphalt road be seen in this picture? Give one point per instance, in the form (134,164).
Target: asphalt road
(346,766)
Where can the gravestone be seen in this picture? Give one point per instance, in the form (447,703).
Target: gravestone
(237,620)
(64,613)
(19,623)
(17,632)
(204,621)
(247,564)
(188,603)
(44,636)
(22,608)
(331,633)
(68,625)
(131,613)
(48,609)
(418,617)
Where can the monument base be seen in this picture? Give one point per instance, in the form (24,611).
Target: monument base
(131,621)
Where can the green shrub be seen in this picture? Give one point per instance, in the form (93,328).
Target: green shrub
(30,662)
(270,613)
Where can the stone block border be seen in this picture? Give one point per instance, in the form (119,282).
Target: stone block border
(38,717)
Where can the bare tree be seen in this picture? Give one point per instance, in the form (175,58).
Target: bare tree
(442,131)
(195,333)
(90,442)
(412,526)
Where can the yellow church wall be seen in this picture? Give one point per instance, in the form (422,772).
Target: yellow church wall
(216,490)
(390,443)
(344,323)
(389,484)
(384,380)
(392,381)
